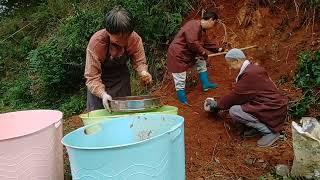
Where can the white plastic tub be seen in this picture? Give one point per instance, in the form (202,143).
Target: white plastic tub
(30,145)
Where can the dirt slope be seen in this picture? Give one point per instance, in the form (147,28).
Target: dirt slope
(214,148)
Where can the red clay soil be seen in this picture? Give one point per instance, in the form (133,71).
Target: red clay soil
(214,147)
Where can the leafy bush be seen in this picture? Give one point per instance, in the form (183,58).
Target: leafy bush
(58,63)
(44,23)
(156,20)
(20,91)
(308,75)
(26,46)
(16,95)
(8,6)
(308,79)
(300,108)
(2,67)
(73,104)
(11,54)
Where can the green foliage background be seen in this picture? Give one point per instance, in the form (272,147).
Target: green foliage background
(42,50)
(308,79)
(42,47)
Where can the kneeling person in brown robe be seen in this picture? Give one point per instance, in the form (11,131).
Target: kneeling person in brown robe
(255,101)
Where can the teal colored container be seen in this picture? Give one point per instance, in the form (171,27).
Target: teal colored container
(140,147)
(103,115)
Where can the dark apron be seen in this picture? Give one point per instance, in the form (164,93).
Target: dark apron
(116,78)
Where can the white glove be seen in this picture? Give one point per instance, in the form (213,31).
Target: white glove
(210,105)
(105,101)
(145,77)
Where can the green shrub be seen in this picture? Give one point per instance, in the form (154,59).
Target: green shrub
(16,94)
(58,64)
(308,75)
(73,105)
(44,23)
(10,6)
(308,79)
(300,108)
(20,91)
(2,97)
(156,20)
(2,67)
(26,45)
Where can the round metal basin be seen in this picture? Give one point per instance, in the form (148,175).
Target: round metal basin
(134,103)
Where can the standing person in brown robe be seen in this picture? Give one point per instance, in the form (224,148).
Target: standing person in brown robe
(108,51)
(189,48)
(255,101)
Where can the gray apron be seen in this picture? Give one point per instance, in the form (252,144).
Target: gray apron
(116,78)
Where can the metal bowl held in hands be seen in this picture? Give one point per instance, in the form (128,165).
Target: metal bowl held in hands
(134,103)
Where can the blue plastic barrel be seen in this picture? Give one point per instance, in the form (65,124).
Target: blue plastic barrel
(142,147)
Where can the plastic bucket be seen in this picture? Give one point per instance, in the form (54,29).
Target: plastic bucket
(30,145)
(101,115)
(140,147)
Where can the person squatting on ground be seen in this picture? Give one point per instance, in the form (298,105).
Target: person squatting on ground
(108,51)
(189,48)
(255,101)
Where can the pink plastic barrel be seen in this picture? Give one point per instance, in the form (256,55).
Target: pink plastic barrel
(30,145)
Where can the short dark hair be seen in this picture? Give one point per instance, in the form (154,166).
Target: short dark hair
(210,14)
(119,21)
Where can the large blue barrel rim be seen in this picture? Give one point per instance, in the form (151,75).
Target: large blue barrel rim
(141,147)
